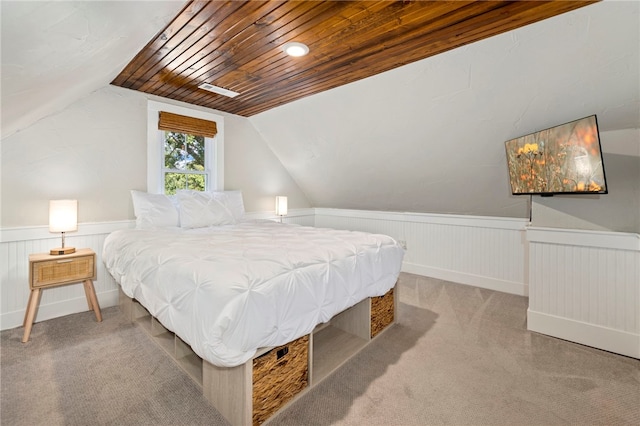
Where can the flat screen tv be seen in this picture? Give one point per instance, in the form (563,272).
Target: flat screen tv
(566,159)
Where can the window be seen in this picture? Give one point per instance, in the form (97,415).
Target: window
(184,149)
(184,165)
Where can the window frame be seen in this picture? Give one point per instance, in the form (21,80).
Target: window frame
(214,162)
(208,161)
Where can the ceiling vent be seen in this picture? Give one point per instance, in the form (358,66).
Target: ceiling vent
(218,90)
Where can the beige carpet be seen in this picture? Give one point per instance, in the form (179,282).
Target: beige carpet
(459,356)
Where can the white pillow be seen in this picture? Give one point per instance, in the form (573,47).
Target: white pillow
(201,209)
(233,201)
(153,210)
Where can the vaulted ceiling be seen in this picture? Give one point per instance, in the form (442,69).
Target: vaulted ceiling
(237,45)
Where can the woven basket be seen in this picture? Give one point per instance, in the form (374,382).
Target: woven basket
(278,376)
(381,312)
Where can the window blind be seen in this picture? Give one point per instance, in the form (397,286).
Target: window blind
(183,124)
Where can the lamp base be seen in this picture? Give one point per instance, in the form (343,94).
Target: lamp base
(62,250)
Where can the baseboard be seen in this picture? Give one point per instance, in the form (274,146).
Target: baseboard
(489,283)
(14,319)
(608,339)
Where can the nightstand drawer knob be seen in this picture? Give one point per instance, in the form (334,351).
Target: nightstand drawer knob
(65,261)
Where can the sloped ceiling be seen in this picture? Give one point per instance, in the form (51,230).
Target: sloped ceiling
(55,52)
(429,136)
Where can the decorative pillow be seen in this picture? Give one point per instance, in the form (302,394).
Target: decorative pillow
(201,209)
(153,210)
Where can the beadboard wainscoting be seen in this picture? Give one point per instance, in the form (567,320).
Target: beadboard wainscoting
(16,244)
(584,286)
(487,252)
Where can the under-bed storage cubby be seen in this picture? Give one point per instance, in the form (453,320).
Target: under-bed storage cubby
(252,392)
(278,376)
(190,362)
(382,312)
(339,339)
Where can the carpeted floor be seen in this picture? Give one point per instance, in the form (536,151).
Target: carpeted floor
(459,356)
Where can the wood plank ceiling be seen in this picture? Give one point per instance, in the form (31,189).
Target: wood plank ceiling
(237,45)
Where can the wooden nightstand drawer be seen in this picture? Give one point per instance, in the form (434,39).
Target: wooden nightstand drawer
(62,269)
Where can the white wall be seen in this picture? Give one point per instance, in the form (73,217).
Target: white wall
(251,166)
(95,151)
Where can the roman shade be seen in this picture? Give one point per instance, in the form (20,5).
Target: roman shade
(183,124)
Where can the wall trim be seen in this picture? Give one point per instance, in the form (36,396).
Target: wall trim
(447,219)
(272,215)
(596,336)
(585,238)
(41,232)
(474,280)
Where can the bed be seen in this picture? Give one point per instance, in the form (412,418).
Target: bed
(232,290)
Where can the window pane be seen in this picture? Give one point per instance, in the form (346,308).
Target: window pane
(183,151)
(173,182)
(196,182)
(176,181)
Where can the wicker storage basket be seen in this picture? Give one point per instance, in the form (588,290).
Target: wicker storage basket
(382,308)
(278,376)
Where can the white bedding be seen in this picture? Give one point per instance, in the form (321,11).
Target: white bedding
(230,290)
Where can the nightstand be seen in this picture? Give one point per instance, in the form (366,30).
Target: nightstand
(47,271)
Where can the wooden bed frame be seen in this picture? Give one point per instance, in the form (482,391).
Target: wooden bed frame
(253,392)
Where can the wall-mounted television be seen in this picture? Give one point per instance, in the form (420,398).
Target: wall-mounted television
(565,159)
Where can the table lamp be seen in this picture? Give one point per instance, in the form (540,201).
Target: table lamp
(281,206)
(63,217)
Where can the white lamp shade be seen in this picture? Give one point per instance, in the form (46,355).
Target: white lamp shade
(63,215)
(281,205)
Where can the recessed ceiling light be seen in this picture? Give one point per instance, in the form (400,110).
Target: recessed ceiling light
(218,90)
(293,48)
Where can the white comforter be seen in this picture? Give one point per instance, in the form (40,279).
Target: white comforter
(228,291)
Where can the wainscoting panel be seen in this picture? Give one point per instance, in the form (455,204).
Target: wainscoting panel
(480,251)
(585,287)
(55,302)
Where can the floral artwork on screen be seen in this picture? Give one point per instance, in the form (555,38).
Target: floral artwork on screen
(561,160)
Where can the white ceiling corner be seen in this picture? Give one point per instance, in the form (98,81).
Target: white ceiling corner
(54,53)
